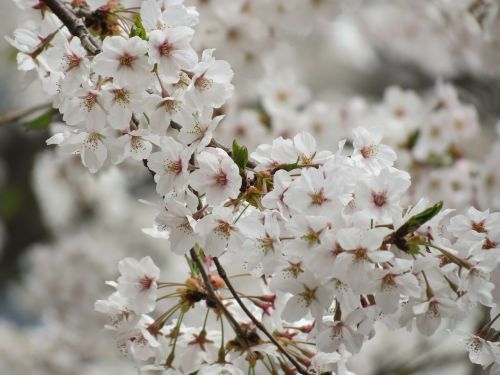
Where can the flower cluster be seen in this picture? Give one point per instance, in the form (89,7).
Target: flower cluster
(431,134)
(326,239)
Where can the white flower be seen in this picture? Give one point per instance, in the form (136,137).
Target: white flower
(379,196)
(393,282)
(171,14)
(164,110)
(281,91)
(339,332)
(275,198)
(198,127)
(262,246)
(121,103)
(93,146)
(198,349)
(308,296)
(308,232)
(177,219)
(475,224)
(170,166)
(137,283)
(71,59)
(218,176)
(86,105)
(368,150)
(125,61)
(480,351)
(170,49)
(211,83)
(306,147)
(136,144)
(281,151)
(217,231)
(430,313)
(361,252)
(120,316)
(477,284)
(315,194)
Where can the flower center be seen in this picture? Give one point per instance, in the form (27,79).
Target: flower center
(389,282)
(92,140)
(434,132)
(478,227)
(137,144)
(166,48)
(72,61)
(379,199)
(221,178)
(146,282)
(89,101)
(223,229)
(308,295)
(311,237)
(369,151)
(318,198)
(266,244)
(307,159)
(489,244)
(203,83)
(171,106)
(127,60)
(121,96)
(360,254)
(399,112)
(174,167)
(282,96)
(294,269)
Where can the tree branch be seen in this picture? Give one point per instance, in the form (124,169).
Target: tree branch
(211,293)
(258,324)
(16,116)
(75,25)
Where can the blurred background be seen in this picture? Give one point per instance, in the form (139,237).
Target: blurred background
(62,230)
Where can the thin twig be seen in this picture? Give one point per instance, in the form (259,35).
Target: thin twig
(258,324)
(215,299)
(75,25)
(16,116)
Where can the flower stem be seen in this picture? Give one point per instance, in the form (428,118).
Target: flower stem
(258,324)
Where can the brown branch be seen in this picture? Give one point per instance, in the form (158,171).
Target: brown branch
(16,116)
(75,25)
(258,324)
(213,297)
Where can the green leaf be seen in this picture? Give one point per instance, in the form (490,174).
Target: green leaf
(240,155)
(418,220)
(41,122)
(289,167)
(138,29)
(413,248)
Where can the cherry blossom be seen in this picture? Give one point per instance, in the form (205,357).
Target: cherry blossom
(218,176)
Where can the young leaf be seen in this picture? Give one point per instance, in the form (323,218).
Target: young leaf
(138,29)
(41,122)
(240,155)
(418,220)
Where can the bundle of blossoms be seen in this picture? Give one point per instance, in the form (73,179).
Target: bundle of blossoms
(322,239)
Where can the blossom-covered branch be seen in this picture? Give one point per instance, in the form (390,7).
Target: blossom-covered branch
(327,239)
(74,25)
